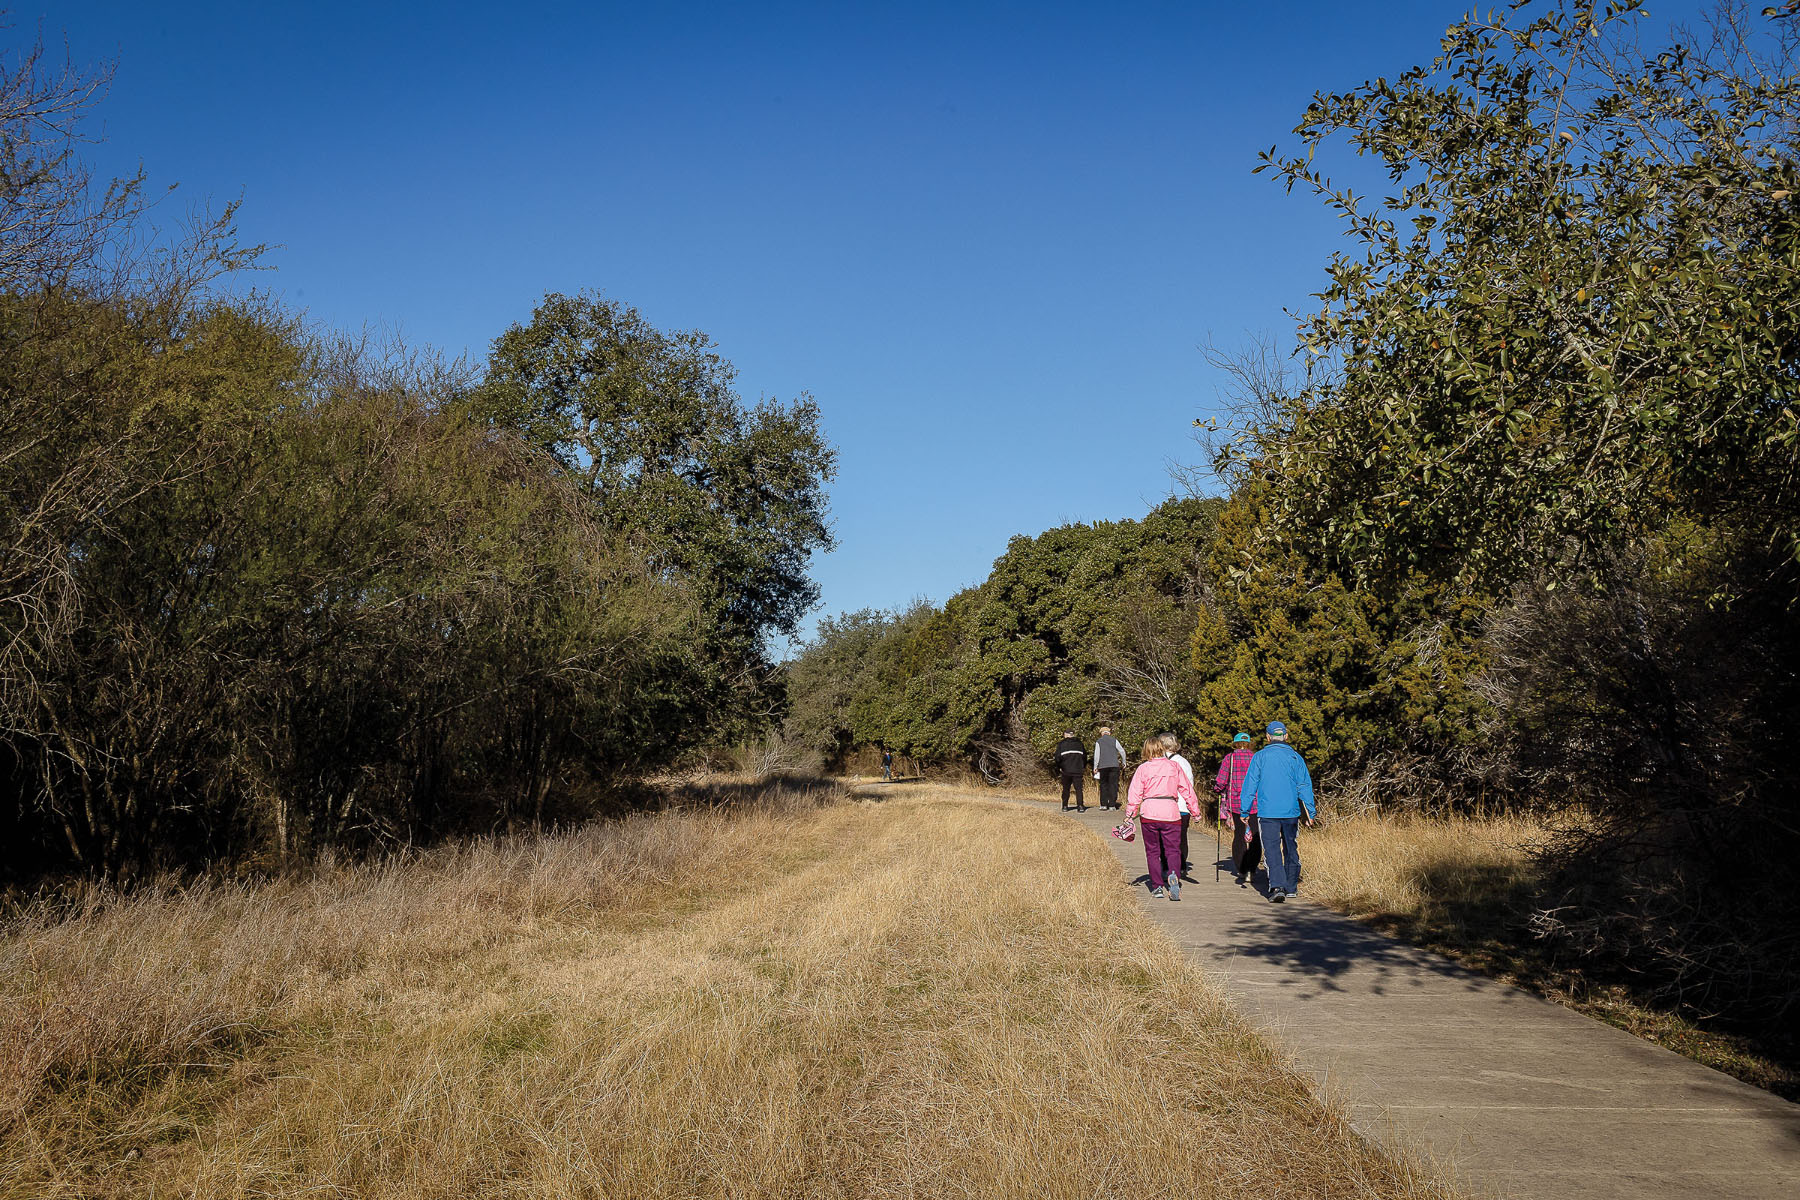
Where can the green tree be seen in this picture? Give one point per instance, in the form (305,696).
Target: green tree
(328,614)
(1557,370)
(832,679)
(1371,689)
(1074,627)
(1572,320)
(729,497)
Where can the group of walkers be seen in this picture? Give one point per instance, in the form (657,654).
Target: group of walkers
(1263,796)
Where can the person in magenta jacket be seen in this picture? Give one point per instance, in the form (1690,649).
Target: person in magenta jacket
(1246,848)
(1159,787)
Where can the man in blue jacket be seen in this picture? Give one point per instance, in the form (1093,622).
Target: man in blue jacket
(1278,783)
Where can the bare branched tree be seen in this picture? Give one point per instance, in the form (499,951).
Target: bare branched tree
(1263,384)
(76,254)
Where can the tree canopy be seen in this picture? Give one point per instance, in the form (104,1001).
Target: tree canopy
(1573,319)
(267,591)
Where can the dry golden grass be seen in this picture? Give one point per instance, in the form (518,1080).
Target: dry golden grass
(931,994)
(970,784)
(1460,873)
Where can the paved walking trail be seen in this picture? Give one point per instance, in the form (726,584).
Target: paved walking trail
(1518,1096)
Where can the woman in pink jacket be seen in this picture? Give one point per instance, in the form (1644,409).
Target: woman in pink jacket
(1158,787)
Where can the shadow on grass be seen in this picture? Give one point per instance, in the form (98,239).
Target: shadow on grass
(782,791)
(1480,915)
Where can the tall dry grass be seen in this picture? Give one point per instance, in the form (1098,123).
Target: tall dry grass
(103,995)
(1464,877)
(922,996)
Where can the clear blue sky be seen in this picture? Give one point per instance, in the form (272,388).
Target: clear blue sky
(989,239)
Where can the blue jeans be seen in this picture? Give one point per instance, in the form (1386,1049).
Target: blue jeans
(1280,852)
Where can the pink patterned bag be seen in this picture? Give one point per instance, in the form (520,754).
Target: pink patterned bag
(1125,831)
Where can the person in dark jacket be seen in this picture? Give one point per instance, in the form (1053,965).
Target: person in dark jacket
(1109,760)
(1071,761)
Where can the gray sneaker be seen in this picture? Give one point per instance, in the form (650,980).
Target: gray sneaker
(1158,893)
(1277,897)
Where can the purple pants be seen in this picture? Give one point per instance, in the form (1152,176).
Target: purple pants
(1162,843)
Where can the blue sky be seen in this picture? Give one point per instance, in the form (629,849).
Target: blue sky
(988,239)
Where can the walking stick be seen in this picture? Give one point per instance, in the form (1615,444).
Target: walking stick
(1218,848)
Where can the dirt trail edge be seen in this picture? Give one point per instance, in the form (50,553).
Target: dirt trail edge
(1513,1095)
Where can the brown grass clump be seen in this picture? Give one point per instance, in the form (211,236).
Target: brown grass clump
(922,996)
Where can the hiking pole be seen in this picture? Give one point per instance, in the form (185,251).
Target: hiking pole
(1218,848)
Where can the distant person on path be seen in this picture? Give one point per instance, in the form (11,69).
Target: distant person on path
(1275,787)
(1172,747)
(1109,760)
(1158,788)
(887,764)
(1071,760)
(1246,847)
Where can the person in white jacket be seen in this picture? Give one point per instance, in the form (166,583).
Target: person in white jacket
(1171,746)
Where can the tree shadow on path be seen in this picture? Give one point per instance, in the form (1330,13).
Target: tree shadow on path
(1325,953)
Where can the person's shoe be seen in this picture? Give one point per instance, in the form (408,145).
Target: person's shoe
(1081,808)
(1277,897)
(1237,877)
(1158,893)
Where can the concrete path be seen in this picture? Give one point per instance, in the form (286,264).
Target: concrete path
(1517,1096)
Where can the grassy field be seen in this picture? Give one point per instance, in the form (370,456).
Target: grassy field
(1467,887)
(929,994)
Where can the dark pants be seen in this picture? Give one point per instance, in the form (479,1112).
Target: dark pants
(1109,787)
(1162,842)
(1281,852)
(1076,781)
(1185,818)
(1246,847)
